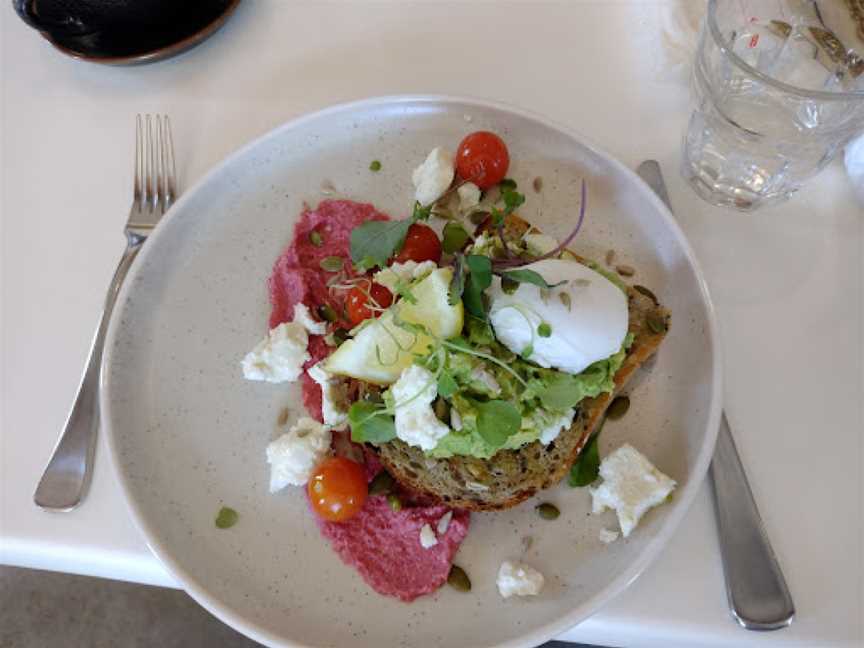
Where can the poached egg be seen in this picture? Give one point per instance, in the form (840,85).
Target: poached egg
(583,320)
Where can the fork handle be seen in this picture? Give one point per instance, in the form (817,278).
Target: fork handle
(67,475)
(758,596)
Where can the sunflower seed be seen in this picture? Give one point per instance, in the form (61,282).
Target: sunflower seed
(625,270)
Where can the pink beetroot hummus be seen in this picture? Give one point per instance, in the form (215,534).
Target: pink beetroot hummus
(383,545)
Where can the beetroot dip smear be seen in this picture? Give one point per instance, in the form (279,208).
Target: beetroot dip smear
(382,544)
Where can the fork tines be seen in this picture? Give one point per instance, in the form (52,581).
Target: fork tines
(155,184)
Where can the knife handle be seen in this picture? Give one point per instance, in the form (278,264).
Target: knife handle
(759,598)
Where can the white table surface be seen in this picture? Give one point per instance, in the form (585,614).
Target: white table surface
(787,282)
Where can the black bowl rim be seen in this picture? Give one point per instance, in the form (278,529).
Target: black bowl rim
(158,54)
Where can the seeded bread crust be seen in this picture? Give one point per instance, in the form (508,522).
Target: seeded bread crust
(512,476)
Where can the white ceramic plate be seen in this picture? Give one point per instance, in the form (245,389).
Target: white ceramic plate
(187,433)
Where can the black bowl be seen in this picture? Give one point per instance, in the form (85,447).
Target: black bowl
(125,32)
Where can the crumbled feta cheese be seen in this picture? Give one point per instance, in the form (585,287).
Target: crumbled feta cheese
(303,317)
(444,522)
(416,423)
(405,272)
(481,375)
(455,419)
(427,537)
(280,356)
(515,578)
(539,244)
(608,536)
(294,455)
(432,178)
(631,485)
(551,431)
(469,198)
(334,396)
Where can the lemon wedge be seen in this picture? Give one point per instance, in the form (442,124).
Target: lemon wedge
(382,349)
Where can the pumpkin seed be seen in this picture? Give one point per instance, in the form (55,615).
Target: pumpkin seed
(547,511)
(618,407)
(647,293)
(332,263)
(544,330)
(340,335)
(328,313)
(538,184)
(316,239)
(656,323)
(458,579)
(394,502)
(375,165)
(382,484)
(625,270)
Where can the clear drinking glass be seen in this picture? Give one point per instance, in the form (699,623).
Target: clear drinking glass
(779,90)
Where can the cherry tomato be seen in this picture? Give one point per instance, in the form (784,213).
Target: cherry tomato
(338,489)
(482,158)
(358,301)
(421,244)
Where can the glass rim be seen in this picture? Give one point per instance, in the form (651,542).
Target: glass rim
(711,21)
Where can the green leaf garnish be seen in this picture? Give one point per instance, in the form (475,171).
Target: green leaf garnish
(529,277)
(479,279)
(455,237)
(509,286)
(560,392)
(511,198)
(403,289)
(586,468)
(374,242)
(375,165)
(544,330)
(226,518)
(420,212)
(370,422)
(457,283)
(497,421)
(507,183)
(446,385)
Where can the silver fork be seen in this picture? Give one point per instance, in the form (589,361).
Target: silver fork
(67,475)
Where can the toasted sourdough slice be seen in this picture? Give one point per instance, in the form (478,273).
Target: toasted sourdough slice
(512,476)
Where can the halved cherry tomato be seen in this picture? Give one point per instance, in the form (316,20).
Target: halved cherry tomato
(338,489)
(358,301)
(482,158)
(421,244)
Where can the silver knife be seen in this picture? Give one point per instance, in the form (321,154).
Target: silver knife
(758,596)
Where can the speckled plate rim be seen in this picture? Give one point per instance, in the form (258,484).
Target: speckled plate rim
(581,612)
